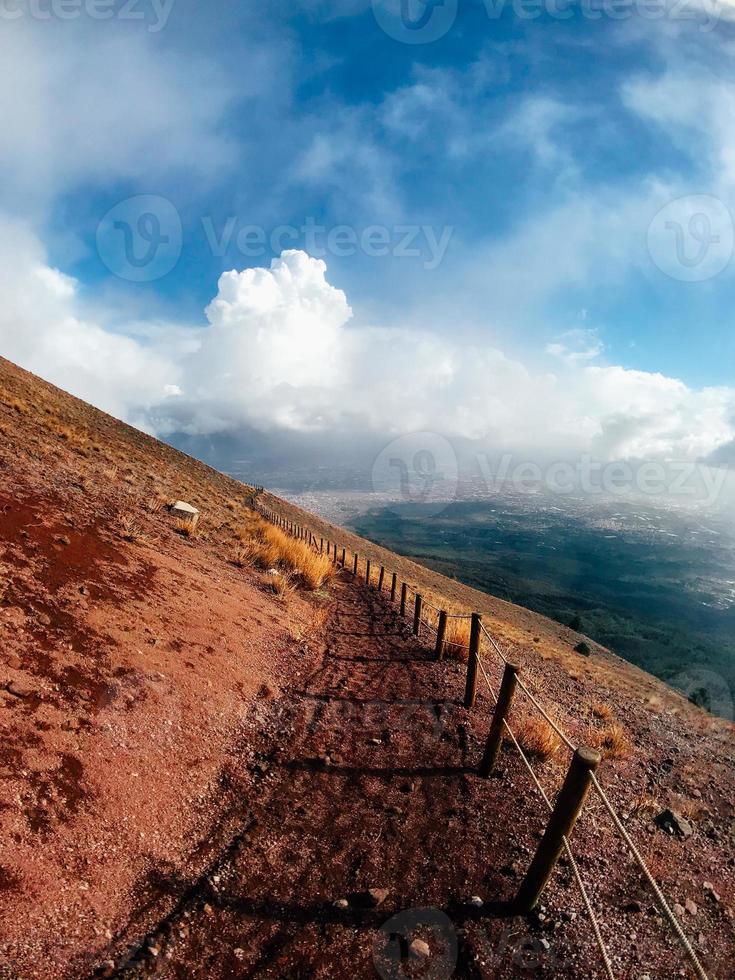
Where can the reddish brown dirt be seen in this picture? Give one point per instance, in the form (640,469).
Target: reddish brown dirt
(364,777)
(125,670)
(166,723)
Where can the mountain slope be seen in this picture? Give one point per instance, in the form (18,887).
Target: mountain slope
(151,680)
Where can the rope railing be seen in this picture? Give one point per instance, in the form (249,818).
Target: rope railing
(542,867)
(567,846)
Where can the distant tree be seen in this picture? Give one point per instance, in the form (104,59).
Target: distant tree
(584,648)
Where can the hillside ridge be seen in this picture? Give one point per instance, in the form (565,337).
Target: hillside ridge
(145,667)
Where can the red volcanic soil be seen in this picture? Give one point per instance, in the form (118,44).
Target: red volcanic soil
(200,779)
(126,668)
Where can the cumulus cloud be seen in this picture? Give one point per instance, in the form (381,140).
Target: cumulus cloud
(281,352)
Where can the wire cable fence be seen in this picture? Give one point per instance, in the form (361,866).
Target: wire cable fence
(581,777)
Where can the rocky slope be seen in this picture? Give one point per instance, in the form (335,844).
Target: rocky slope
(157,706)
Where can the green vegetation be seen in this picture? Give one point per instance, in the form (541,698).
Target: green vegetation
(651,586)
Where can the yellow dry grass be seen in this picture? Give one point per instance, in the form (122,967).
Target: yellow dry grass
(612,741)
(267,546)
(536,737)
(131,529)
(601,710)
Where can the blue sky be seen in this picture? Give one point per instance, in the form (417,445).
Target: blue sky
(567,184)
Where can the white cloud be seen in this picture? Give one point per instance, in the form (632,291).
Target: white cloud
(82,106)
(43,327)
(576,346)
(281,352)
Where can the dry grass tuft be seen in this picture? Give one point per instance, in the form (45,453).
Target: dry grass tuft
(187,528)
(457,639)
(644,807)
(12,402)
(282,584)
(598,709)
(245,555)
(155,504)
(612,741)
(130,529)
(267,546)
(457,636)
(536,737)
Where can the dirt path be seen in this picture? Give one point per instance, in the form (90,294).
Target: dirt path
(364,782)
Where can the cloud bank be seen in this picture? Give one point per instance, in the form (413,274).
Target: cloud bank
(282,351)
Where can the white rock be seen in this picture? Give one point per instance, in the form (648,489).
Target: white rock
(419,949)
(185,512)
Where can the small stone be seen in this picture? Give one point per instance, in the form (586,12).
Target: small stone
(419,949)
(239,953)
(678,909)
(709,888)
(377,896)
(375,741)
(674,823)
(154,950)
(545,944)
(341,904)
(475,902)
(19,689)
(691,907)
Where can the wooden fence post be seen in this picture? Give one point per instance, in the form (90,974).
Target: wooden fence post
(470,691)
(321,545)
(561,824)
(367,571)
(393,586)
(417,615)
(381,576)
(344,557)
(404,592)
(441,632)
(495,737)
(354,569)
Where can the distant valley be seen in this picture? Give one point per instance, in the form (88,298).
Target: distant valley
(656,584)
